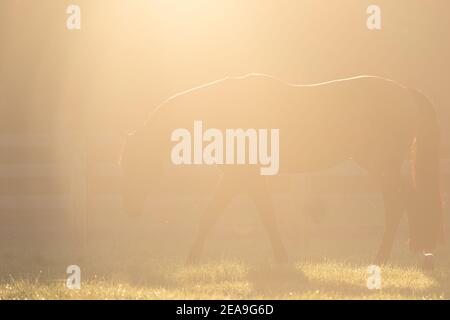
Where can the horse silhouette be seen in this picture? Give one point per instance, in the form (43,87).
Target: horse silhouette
(375,121)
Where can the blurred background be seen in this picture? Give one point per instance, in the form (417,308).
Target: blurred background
(67,97)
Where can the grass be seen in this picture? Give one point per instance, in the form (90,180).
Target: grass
(227,279)
(144,258)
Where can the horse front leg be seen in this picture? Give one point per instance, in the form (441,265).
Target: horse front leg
(225,191)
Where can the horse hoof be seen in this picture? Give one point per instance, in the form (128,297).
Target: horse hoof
(428,262)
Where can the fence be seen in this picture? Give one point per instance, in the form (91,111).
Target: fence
(40,176)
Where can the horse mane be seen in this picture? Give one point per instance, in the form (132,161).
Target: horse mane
(260,75)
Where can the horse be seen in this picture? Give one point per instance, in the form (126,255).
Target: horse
(376,122)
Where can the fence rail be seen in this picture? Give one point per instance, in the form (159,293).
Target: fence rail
(37,175)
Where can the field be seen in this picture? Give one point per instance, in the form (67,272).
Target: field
(331,228)
(75,78)
(238,280)
(144,259)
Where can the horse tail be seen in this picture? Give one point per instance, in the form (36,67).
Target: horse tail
(426,219)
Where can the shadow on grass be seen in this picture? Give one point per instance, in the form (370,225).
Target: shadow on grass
(277,279)
(293,281)
(290,282)
(225,279)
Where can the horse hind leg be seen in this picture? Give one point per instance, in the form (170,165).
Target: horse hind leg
(393,191)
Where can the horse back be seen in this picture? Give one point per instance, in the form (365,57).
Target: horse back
(319,124)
